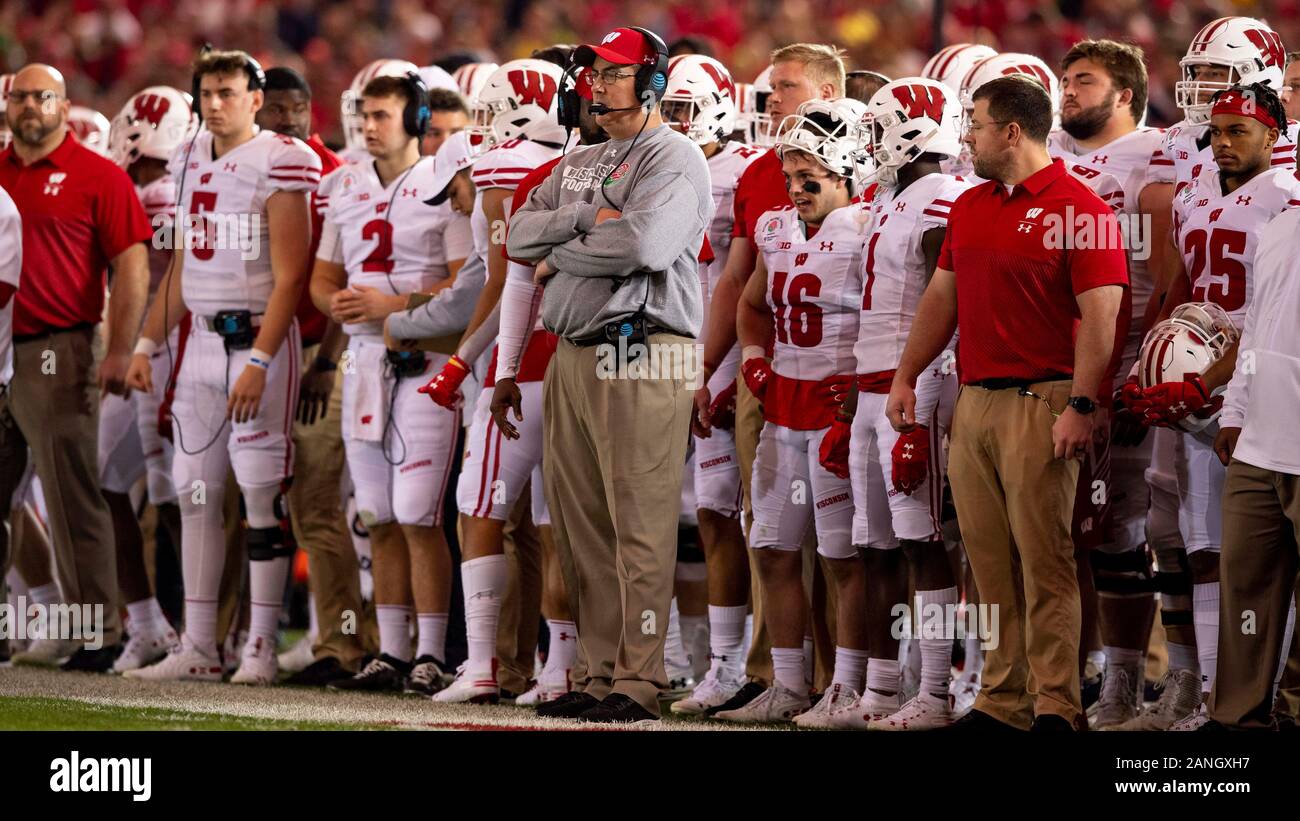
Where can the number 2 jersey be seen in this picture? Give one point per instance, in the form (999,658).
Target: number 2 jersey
(1217,233)
(814,290)
(227,263)
(388,237)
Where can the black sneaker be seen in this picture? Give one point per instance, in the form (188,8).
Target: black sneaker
(1049,723)
(426,677)
(570,705)
(743,696)
(384,674)
(320,673)
(86,660)
(617,709)
(979,722)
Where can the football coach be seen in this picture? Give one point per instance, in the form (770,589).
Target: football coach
(615,232)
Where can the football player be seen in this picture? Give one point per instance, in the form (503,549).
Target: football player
(381,243)
(354,125)
(241,188)
(802,305)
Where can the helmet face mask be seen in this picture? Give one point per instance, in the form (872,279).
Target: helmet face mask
(759,128)
(827,131)
(701,88)
(1194,337)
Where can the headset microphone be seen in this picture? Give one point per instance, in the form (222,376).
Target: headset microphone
(600,108)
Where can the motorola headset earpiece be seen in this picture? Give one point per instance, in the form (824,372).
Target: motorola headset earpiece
(416,114)
(652,78)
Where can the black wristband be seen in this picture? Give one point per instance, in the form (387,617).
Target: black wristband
(324,363)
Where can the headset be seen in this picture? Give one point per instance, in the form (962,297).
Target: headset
(256,79)
(651,80)
(416,114)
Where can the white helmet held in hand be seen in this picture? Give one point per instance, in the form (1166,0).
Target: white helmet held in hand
(1194,337)
(907,118)
(91,128)
(951,65)
(1250,50)
(519,100)
(706,86)
(153,123)
(825,129)
(353,123)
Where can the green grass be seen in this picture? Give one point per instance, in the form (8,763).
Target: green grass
(35,713)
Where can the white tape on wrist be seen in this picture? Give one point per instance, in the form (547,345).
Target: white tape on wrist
(261,359)
(146,346)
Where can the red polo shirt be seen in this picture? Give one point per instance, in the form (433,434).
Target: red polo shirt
(311,322)
(760,188)
(1016,289)
(79,210)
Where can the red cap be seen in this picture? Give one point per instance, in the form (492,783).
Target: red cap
(622,47)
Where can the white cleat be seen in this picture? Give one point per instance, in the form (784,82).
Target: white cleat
(1194,721)
(477,687)
(1118,702)
(774,704)
(143,649)
(45,652)
(298,657)
(821,716)
(924,712)
(717,688)
(964,688)
(184,663)
(1180,697)
(870,707)
(258,664)
(544,691)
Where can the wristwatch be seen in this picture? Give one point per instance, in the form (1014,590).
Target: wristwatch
(1082,404)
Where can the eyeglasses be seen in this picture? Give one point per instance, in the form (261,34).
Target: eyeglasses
(40,97)
(972,126)
(610,76)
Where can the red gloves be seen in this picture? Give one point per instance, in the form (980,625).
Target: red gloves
(833,393)
(757,373)
(722,410)
(911,459)
(444,389)
(1127,423)
(834,452)
(1172,401)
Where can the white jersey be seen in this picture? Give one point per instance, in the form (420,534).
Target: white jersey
(1185,153)
(11,264)
(894,271)
(725,168)
(159,201)
(228,251)
(1217,233)
(388,237)
(503,166)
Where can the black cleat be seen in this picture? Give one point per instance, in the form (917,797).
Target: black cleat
(570,705)
(743,696)
(617,709)
(976,721)
(1049,723)
(320,673)
(384,674)
(86,660)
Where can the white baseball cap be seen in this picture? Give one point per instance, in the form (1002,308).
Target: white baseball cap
(458,152)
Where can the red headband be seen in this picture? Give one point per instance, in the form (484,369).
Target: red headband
(1231,102)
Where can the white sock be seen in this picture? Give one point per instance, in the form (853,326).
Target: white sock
(1205,619)
(141,614)
(203,556)
(44,594)
(159,617)
(749,636)
(726,637)
(695,637)
(936,651)
(432,639)
(850,668)
(1183,657)
(562,652)
(394,630)
(675,657)
(807,661)
(971,644)
(787,668)
(201,624)
(882,675)
(266,592)
(484,580)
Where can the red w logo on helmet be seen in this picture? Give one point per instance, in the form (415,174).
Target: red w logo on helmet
(1029,71)
(1270,45)
(533,88)
(920,101)
(152,108)
(725,85)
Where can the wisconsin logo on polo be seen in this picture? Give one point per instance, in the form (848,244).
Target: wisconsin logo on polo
(1026,226)
(55,183)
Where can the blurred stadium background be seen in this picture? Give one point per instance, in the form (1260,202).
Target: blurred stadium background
(108,50)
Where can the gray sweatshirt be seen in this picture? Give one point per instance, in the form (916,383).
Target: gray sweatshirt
(662,189)
(449,311)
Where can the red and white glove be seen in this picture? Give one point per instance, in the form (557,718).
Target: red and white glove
(757,373)
(911,459)
(834,451)
(722,410)
(833,392)
(1172,401)
(444,389)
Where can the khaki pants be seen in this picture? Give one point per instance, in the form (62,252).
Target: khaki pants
(614,452)
(1257,573)
(53,408)
(320,526)
(1014,500)
(521,603)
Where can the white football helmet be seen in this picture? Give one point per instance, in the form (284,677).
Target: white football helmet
(951,65)
(471,78)
(435,77)
(706,86)
(153,123)
(905,119)
(1005,64)
(353,123)
(91,128)
(759,128)
(827,130)
(1250,50)
(1194,337)
(6,136)
(519,100)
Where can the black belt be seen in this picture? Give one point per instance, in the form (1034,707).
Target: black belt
(1004,382)
(601,338)
(80,326)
